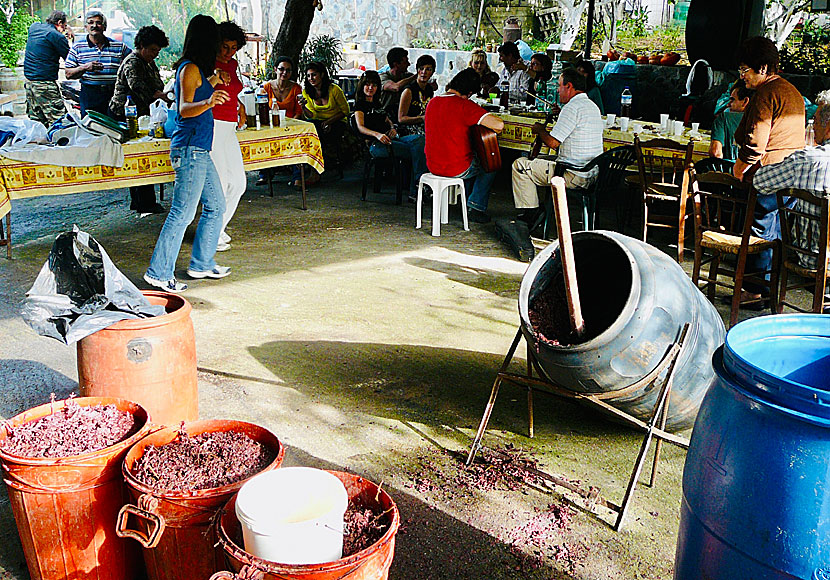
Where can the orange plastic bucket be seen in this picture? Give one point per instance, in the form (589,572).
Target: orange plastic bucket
(370,564)
(176,528)
(66,507)
(149,360)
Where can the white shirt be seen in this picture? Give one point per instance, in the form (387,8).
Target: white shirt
(519,82)
(579,130)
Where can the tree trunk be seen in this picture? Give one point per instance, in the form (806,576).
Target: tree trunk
(296,23)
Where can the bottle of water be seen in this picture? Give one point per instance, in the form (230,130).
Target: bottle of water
(553,82)
(625,103)
(131,113)
(542,93)
(810,134)
(504,96)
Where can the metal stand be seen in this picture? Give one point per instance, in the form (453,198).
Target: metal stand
(654,428)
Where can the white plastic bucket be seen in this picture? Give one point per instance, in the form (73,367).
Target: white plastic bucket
(293,515)
(368,46)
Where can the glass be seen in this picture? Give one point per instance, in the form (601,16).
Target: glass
(742,70)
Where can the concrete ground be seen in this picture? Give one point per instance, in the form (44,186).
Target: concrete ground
(368,346)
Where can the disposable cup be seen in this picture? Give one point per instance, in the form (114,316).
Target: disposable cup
(695,127)
(282,117)
(610,119)
(678,127)
(624,123)
(664,120)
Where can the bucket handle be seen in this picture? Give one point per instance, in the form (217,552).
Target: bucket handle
(245,573)
(145,509)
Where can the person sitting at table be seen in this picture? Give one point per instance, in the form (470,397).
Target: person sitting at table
(138,77)
(284,91)
(227,118)
(723,145)
(415,97)
(539,69)
(578,137)
(489,79)
(395,80)
(325,105)
(95,60)
(514,72)
(449,150)
(196,177)
(373,122)
(586,69)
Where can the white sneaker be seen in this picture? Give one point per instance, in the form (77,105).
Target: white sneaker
(222,246)
(224,238)
(216,272)
(171,285)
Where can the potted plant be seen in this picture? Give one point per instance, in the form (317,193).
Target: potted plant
(324,49)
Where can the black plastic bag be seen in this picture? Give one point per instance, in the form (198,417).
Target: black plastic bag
(79,291)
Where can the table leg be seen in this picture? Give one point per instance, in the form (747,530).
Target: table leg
(6,239)
(302,183)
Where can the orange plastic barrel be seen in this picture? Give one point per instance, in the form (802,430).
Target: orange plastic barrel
(148,360)
(370,564)
(66,507)
(176,528)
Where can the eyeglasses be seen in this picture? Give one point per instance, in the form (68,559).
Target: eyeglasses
(285,70)
(742,70)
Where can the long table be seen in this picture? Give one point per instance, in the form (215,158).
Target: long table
(517,135)
(148,162)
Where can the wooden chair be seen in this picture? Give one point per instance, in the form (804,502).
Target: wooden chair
(664,180)
(805,231)
(723,215)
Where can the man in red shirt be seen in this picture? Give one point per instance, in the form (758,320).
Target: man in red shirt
(449,151)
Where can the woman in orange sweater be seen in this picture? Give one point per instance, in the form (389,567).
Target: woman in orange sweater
(284,91)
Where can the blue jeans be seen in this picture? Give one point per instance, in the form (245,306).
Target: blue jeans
(410,146)
(196,181)
(477,184)
(767,225)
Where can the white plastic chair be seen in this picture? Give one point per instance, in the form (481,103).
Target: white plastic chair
(442,189)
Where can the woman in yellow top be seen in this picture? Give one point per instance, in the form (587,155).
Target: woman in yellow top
(325,105)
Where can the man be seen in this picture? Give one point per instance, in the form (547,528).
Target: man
(578,137)
(514,72)
(395,80)
(449,151)
(809,169)
(45,46)
(723,130)
(95,60)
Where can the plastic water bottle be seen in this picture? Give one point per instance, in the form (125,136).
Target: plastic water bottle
(810,134)
(625,103)
(131,113)
(552,91)
(541,92)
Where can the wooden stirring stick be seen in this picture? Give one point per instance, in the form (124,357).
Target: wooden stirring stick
(566,253)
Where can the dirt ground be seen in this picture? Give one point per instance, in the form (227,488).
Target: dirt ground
(369,346)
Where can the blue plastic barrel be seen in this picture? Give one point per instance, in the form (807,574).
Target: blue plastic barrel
(756,484)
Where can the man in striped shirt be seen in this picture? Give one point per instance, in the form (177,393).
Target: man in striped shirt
(95,60)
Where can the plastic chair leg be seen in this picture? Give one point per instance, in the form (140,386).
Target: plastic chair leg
(445,204)
(463,198)
(418,205)
(437,210)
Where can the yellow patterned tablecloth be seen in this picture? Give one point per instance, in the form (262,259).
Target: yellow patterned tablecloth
(149,162)
(517,135)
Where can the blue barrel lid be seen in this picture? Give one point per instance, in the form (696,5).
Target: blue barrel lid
(784,360)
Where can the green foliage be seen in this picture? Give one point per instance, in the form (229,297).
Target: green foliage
(168,16)
(634,26)
(422,43)
(13,36)
(325,49)
(669,37)
(807,50)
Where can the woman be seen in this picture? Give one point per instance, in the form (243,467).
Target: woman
(771,129)
(373,122)
(196,177)
(284,92)
(227,118)
(138,77)
(586,69)
(325,105)
(415,97)
(489,79)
